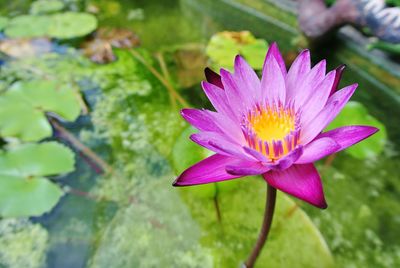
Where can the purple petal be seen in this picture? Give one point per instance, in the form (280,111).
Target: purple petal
(348,135)
(247,80)
(255,154)
(339,71)
(200,119)
(236,94)
(211,169)
(318,99)
(313,126)
(213,78)
(301,181)
(297,72)
(218,99)
(219,144)
(307,86)
(273,51)
(288,160)
(318,149)
(273,89)
(209,121)
(246,168)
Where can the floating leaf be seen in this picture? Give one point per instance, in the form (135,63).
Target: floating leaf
(61,25)
(43,159)
(72,24)
(354,113)
(224,46)
(27,26)
(3,22)
(294,240)
(23,107)
(23,190)
(27,197)
(46,6)
(255,53)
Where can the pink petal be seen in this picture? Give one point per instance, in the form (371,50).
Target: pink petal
(301,181)
(235,94)
(348,135)
(288,160)
(318,99)
(246,168)
(213,78)
(211,169)
(209,121)
(247,80)
(218,99)
(273,51)
(273,89)
(219,144)
(307,86)
(255,154)
(318,149)
(200,119)
(339,71)
(297,72)
(313,126)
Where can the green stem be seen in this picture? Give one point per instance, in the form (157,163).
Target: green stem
(266,226)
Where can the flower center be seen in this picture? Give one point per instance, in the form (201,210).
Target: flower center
(271,130)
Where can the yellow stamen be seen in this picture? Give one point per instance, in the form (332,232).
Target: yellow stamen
(273,130)
(271,125)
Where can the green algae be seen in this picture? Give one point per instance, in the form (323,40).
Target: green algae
(22,244)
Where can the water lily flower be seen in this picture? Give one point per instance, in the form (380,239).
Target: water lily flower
(272,126)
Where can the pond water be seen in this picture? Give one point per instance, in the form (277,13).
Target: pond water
(131,216)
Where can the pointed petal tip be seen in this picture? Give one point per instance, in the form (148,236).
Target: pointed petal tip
(175,183)
(325,206)
(213,77)
(183,112)
(341,67)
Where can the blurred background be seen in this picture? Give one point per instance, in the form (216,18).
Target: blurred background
(92,138)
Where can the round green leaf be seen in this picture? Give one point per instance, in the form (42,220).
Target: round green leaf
(294,241)
(32,160)
(27,26)
(46,6)
(224,46)
(255,52)
(3,22)
(72,24)
(23,107)
(20,197)
(222,50)
(354,113)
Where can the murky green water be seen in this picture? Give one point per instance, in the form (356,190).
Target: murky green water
(133,217)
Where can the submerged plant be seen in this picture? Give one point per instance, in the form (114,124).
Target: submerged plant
(272,128)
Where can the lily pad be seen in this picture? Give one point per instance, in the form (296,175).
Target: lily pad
(3,22)
(27,26)
(23,190)
(354,113)
(224,46)
(23,107)
(72,24)
(43,159)
(294,240)
(46,6)
(60,25)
